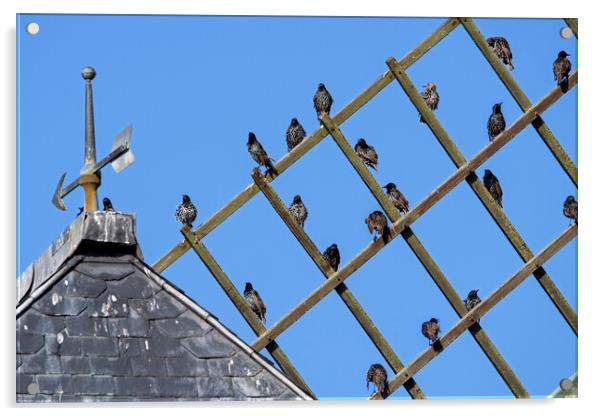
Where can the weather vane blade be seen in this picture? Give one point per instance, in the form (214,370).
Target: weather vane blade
(120,156)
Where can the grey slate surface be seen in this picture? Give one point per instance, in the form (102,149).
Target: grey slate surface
(107,328)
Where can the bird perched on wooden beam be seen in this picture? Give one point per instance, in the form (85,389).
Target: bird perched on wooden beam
(496,123)
(377,374)
(397,198)
(322,101)
(298,210)
(430,97)
(562,68)
(472,299)
(570,208)
(294,134)
(186,211)
(254,301)
(332,256)
(377,221)
(107,205)
(501,48)
(367,153)
(493,186)
(430,329)
(259,155)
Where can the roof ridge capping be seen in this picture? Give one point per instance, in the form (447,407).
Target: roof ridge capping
(89,228)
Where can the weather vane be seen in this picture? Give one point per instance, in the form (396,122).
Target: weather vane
(120,156)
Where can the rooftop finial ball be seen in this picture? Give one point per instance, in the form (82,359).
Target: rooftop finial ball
(88,73)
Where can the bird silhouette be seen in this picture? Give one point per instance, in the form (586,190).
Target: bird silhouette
(322,101)
(377,375)
(430,97)
(332,256)
(294,134)
(493,186)
(107,206)
(430,329)
(186,211)
(397,198)
(570,208)
(562,68)
(377,221)
(259,155)
(501,48)
(367,153)
(298,210)
(254,301)
(496,123)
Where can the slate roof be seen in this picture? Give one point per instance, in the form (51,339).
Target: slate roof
(102,326)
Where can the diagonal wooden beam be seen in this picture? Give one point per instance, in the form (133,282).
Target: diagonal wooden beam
(492,353)
(485,306)
(436,195)
(521,99)
(239,302)
(342,290)
(573,24)
(314,138)
(479,189)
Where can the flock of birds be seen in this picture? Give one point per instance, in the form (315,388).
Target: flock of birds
(186,212)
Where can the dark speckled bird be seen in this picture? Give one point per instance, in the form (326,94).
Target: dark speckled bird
(377,375)
(496,123)
(254,301)
(298,210)
(472,299)
(430,329)
(294,134)
(332,256)
(501,48)
(377,221)
(431,97)
(493,186)
(367,153)
(570,208)
(107,206)
(186,211)
(322,101)
(258,154)
(562,68)
(397,198)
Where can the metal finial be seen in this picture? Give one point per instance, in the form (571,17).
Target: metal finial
(88,73)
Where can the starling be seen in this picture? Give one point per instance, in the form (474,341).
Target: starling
(322,101)
(431,97)
(562,67)
(570,208)
(81,209)
(378,222)
(496,123)
(501,48)
(294,134)
(397,198)
(367,153)
(186,211)
(298,210)
(472,299)
(107,205)
(332,256)
(258,154)
(254,301)
(430,329)
(378,376)
(493,186)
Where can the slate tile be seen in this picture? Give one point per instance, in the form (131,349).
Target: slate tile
(63,344)
(29,343)
(211,345)
(215,387)
(40,363)
(105,271)
(239,365)
(136,386)
(23,381)
(185,366)
(184,326)
(56,304)
(108,304)
(100,346)
(76,365)
(93,385)
(55,384)
(128,327)
(76,284)
(136,285)
(119,366)
(33,322)
(160,305)
(148,366)
(262,385)
(170,387)
(87,326)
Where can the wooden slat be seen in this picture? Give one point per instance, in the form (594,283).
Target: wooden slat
(341,116)
(572,23)
(239,302)
(342,290)
(485,306)
(479,189)
(492,353)
(521,98)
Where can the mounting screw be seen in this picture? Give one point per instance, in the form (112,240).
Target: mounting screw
(88,73)
(566,32)
(566,384)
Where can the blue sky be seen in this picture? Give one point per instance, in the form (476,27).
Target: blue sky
(195,86)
